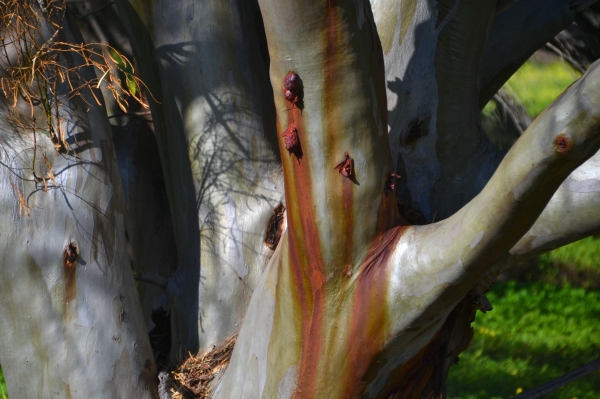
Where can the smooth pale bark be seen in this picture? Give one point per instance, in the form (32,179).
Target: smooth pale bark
(571,214)
(148,223)
(69,330)
(205,60)
(306,321)
(432,53)
(410,35)
(344,312)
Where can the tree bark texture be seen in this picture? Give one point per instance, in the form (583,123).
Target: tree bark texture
(204,64)
(317,105)
(70,316)
(346,312)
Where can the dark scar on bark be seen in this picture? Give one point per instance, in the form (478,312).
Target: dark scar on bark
(70,255)
(563,144)
(275,227)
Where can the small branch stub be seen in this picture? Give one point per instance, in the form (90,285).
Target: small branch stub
(292,88)
(346,167)
(563,144)
(70,255)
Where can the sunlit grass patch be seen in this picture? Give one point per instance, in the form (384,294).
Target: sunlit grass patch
(536,332)
(576,264)
(582,255)
(3,390)
(538,84)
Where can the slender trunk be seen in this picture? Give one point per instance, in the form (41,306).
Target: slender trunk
(71,318)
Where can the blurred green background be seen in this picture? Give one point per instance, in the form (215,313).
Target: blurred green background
(546,317)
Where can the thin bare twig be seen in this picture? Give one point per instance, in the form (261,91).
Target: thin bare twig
(560,381)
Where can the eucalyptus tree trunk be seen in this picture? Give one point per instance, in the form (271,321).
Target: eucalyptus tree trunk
(70,316)
(364,117)
(214,122)
(355,302)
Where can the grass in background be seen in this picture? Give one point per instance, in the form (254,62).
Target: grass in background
(547,321)
(3,390)
(538,84)
(537,331)
(572,265)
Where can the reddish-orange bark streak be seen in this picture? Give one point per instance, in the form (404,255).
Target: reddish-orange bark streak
(306,261)
(367,326)
(305,249)
(347,189)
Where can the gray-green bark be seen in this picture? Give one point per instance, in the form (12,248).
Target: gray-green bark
(401,293)
(354,300)
(203,63)
(70,316)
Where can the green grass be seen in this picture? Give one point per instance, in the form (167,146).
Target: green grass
(536,332)
(542,326)
(548,321)
(3,390)
(538,84)
(582,255)
(575,265)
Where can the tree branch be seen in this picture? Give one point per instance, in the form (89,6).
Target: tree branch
(571,214)
(466,156)
(432,56)
(459,250)
(516,34)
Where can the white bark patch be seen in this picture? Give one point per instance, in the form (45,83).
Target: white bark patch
(412,93)
(476,240)
(589,170)
(585,179)
(582,186)
(287,385)
(411,279)
(234,244)
(90,344)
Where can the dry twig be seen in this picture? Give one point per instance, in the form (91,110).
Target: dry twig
(197,372)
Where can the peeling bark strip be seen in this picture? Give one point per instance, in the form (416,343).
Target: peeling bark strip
(306,261)
(368,325)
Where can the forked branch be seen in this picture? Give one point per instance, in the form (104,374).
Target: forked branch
(460,249)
